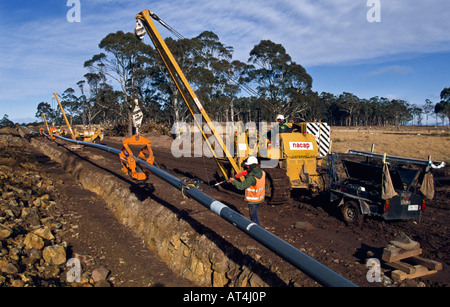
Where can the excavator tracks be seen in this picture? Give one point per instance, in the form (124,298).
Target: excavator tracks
(278,186)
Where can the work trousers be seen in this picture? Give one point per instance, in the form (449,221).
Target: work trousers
(253,211)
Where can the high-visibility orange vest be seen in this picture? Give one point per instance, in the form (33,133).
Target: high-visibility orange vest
(257,192)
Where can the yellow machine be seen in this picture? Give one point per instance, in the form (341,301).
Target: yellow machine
(88,134)
(297,154)
(51,130)
(298,157)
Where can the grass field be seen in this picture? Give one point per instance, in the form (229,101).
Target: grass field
(411,142)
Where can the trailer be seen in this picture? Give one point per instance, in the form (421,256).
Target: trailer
(364,183)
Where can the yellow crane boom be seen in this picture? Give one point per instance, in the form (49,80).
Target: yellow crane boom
(144,19)
(65,117)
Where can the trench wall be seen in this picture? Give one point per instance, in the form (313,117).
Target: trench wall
(190,254)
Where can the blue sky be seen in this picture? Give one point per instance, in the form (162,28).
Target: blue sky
(405,56)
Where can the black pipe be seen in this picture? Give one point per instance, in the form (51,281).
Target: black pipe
(316,270)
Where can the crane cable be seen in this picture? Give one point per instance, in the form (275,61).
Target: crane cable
(244,87)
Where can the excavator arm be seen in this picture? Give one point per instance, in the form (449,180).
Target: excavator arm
(144,21)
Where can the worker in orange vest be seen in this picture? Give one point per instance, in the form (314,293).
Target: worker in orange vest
(254,186)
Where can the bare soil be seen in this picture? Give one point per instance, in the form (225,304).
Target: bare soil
(343,248)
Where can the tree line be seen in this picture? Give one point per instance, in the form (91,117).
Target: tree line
(270,83)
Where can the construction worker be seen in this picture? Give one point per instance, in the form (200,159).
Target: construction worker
(254,186)
(282,125)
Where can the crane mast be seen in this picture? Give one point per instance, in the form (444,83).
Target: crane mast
(144,21)
(65,117)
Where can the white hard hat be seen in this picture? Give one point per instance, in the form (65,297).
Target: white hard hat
(280,117)
(251,160)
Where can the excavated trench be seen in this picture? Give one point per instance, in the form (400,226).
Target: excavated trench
(188,249)
(201,247)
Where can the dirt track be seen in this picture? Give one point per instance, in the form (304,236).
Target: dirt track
(342,248)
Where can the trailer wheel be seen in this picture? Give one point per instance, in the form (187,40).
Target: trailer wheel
(351,212)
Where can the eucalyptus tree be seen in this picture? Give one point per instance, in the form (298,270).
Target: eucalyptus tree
(123,61)
(443,107)
(5,122)
(45,108)
(350,104)
(71,104)
(279,80)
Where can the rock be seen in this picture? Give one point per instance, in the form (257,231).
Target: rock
(10,268)
(304,226)
(5,232)
(44,233)
(37,177)
(3,262)
(55,255)
(26,278)
(100,273)
(86,278)
(3,251)
(14,253)
(7,195)
(51,271)
(86,260)
(37,202)
(33,218)
(17,283)
(33,241)
(35,254)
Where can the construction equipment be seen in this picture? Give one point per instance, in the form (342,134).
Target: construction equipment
(88,134)
(127,157)
(65,117)
(51,131)
(297,154)
(390,187)
(146,153)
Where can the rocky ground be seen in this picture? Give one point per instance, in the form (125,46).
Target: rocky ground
(54,233)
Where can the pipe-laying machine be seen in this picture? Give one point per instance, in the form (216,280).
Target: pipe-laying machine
(299,152)
(87,135)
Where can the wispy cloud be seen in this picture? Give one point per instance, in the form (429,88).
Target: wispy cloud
(392,70)
(317,32)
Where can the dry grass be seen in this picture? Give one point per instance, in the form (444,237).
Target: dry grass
(412,142)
